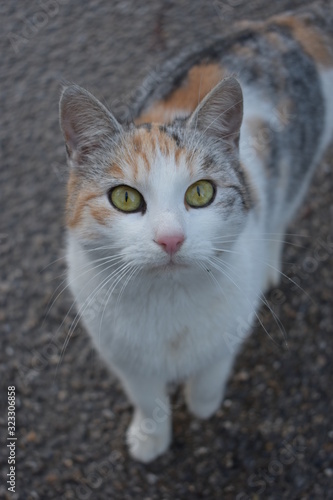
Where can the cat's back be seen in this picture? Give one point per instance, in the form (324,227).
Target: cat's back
(285,67)
(281,56)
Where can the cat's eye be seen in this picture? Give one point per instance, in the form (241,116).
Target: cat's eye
(200,194)
(126,199)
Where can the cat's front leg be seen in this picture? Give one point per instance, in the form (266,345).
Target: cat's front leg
(204,391)
(149,433)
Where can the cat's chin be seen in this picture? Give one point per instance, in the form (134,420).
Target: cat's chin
(170,267)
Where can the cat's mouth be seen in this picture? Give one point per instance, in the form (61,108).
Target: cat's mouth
(175,265)
(171,265)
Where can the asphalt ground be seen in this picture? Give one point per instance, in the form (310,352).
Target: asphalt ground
(273,436)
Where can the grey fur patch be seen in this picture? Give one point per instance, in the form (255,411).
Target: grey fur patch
(174,131)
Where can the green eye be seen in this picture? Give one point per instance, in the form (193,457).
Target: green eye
(126,199)
(200,194)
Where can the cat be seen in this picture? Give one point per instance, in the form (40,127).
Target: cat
(176,219)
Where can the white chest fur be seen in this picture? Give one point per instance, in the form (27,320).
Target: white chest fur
(170,324)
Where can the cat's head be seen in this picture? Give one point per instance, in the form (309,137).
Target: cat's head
(159,196)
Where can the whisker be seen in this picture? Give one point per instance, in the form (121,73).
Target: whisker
(89,268)
(269,265)
(282,329)
(264,239)
(82,310)
(124,270)
(128,279)
(297,235)
(221,114)
(82,251)
(291,280)
(212,277)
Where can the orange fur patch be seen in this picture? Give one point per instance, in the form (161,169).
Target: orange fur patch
(76,201)
(137,143)
(142,146)
(199,81)
(178,153)
(116,171)
(73,185)
(101,214)
(73,189)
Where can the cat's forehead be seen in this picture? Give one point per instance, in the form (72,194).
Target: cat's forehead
(148,150)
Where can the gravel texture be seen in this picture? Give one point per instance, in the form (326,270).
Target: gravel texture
(273,436)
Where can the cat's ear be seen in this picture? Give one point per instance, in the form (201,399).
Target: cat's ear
(85,123)
(220,113)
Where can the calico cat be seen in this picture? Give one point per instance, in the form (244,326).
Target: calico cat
(176,219)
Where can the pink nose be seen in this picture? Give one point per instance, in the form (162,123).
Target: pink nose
(171,243)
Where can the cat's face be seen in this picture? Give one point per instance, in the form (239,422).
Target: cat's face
(160,197)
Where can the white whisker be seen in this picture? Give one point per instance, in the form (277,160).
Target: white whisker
(90,267)
(217,266)
(86,304)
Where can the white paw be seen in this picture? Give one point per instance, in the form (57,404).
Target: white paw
(203,407)
(146,439)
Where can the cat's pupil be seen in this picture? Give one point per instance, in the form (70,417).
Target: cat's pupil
(198,191)
(126,196)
